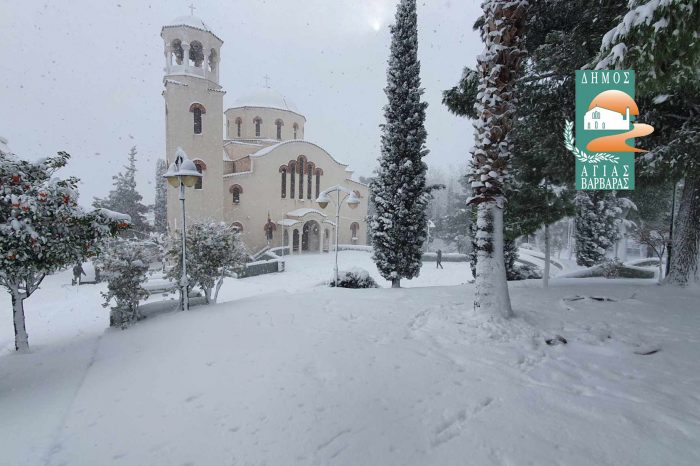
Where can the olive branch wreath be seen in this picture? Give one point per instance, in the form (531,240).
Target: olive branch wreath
(581,155)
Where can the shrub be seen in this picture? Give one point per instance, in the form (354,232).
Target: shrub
(354,278)
(611,268)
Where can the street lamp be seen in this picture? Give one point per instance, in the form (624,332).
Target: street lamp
(351,199)
(183,173)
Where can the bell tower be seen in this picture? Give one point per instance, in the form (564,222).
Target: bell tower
(194,102)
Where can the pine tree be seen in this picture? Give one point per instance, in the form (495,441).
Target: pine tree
(161,202)
(498,66)
(597,218)
(660,41)
(42,228)
(125,198)
(399,190)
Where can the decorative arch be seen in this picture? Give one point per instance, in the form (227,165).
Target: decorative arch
(236,192)
(257,121)
(213,59)
(283,182)
(177,50)
(279,124)
(237,226)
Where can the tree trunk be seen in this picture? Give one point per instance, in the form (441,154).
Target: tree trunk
(686,236)
(491,287)
(21,337)
(396,283)
(218,287)
(547,257)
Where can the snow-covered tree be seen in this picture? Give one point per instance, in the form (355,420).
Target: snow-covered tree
(125,198)
(597,218)
(659,39)
(124,264)
(399,191)
(498,67)
(161,202)
(214,251)
(42,228)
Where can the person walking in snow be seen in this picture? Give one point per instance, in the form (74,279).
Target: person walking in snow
(77,272)
(438,263)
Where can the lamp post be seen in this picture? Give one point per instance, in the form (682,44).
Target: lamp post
(352,201)
(183,173)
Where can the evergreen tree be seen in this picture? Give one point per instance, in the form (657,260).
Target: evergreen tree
(660,41)
(399,191)
(42,228)
(214,251)
(161,202)
(498,67)
(125,264)
(597,218)
(125,198)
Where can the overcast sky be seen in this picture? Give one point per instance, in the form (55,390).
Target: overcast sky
(85,76)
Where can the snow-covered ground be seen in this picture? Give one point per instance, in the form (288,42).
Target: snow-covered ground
(288,372)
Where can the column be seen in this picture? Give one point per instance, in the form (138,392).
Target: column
(168,57)
(186,54)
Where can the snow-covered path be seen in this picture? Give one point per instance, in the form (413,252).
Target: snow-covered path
(406,376)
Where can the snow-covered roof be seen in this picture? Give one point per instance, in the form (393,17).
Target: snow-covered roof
(266,98)
(269,149)
(287,222)
(304,211)
(191,21)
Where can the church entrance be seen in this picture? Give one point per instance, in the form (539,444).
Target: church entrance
(311,236)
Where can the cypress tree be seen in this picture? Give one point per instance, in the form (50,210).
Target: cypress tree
(399,191)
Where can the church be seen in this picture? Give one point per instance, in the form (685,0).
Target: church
(259,174)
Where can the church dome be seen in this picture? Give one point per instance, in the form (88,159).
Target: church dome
(191,21)
(266,98)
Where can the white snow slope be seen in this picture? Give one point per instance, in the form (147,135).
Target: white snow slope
(370,377)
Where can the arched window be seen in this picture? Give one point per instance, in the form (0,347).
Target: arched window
(196,53)
(283,182)
(301,163)
(177,50)
(292,177)
(239,122)
(258,126)
(319,172)
(238,226)
(236,192)
(309,178)
(197,111)
(354,227)
(201,166)
(296,128)
(279,125)
(213,59)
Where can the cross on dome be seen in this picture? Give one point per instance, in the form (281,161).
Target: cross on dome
(267,81)
(192,8)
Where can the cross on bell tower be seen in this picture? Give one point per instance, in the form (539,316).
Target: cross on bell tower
(267,81)
(192,8)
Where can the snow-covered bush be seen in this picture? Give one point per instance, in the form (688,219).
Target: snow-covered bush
(43,229)
(597,218)
(354,278)
(124,265)
(214,251)
(524,272)
(611,268)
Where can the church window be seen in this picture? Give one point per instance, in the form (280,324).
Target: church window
(239,122)
(309,179)
(196,53)
(200,168)
(176,47)
(279,125)
(258,126)
(319,172)
(292,177)
(296,128)
(301,163)
(197,111)
(283,174)
(213,59)
(236,192)
(354,226)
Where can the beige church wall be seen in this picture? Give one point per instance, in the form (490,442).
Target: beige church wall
(268,128)
(262,194)
(205,146)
